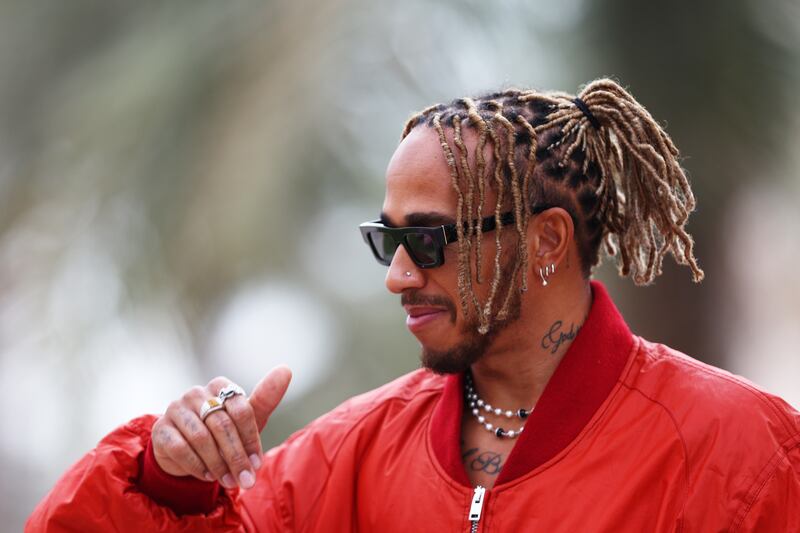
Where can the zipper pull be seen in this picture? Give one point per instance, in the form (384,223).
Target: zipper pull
(477,504)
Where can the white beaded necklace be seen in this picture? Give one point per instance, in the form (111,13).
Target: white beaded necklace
(476,404)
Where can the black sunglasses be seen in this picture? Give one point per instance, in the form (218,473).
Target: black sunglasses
(425,246)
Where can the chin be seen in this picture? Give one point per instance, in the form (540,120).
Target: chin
(457,358)
(442,364)
(468,350)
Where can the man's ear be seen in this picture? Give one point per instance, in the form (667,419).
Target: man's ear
(549,236)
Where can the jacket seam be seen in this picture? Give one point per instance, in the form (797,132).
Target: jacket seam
(683,446)
(637,350)
(785,421)
(357,423)
(766,475)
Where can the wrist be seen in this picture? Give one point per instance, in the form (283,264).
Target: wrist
(183,494)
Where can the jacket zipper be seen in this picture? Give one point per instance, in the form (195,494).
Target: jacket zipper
(476,507)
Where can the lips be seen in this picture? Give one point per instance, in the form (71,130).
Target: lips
(419,316)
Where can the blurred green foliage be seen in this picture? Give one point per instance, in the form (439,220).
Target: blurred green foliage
(156,158)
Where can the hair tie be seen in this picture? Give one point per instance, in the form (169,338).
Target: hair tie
(585,110)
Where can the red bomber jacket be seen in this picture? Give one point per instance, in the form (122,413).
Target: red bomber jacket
(628,436)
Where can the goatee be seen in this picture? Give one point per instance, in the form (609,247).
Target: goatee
(473,344)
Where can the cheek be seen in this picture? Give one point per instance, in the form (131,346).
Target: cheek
(446,277)
(508,254)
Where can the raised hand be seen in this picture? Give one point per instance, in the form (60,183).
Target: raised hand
(226,445)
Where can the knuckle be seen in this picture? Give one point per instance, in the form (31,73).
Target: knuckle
(251,441)
(252,444)
(194,464)
(212,458)
(157,426)
(236,410)
(160,434)
(177,449)
(197,435)
(162,438)
(216,465)
(238,460)
(195,392)
(225,425)
(212,422)
(218,382)
(158,441)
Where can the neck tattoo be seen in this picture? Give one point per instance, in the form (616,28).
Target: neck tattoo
(556,336)
(476,405)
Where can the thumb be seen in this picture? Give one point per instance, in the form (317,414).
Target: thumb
(268,393)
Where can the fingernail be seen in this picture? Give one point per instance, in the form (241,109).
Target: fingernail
(255,460)
(208,476)
(246,479)
(228,482)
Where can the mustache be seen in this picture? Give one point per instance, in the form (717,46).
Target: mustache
(413,297)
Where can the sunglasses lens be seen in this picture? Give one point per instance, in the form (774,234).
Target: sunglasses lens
(384,246)
(422,247)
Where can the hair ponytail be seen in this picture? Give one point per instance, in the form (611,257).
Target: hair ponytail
(645,198)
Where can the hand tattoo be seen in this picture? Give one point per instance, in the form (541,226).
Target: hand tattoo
(554,337)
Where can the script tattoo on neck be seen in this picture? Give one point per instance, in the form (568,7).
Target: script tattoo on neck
(555,336)
(488,462)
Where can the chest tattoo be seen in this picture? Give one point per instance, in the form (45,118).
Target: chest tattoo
(485,461)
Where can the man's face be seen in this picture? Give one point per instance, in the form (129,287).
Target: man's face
(420,192)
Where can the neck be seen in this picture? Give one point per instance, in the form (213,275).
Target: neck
(516,368)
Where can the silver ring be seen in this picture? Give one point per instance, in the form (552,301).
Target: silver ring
(209,406)
(215,404)
(229,392)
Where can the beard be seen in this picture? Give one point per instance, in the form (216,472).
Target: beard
(460,357)
(472,344)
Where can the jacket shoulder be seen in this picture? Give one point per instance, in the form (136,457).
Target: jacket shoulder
(741,444)
(699,392)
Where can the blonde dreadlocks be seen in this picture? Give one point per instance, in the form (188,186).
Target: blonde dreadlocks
(600,156)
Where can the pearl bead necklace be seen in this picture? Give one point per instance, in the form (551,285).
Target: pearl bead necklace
(476,404)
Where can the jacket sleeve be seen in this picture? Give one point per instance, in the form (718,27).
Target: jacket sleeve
(103,491)
(775,507)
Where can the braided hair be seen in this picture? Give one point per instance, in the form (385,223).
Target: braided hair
(600,156)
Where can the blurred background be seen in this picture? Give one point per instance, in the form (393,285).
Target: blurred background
(181,184)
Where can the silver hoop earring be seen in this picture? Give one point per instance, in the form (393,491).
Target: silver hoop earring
(552,268)
(541,274)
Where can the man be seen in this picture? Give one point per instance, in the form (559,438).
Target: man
(537,408)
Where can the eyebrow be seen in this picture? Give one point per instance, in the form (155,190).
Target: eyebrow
(426,220)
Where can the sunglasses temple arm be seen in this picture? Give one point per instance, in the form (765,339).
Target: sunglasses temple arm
(487,224)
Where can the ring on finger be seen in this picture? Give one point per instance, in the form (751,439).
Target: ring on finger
(209,406)
(229,392)
(215,404)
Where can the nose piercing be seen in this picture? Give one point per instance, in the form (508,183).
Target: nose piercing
(408,274)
